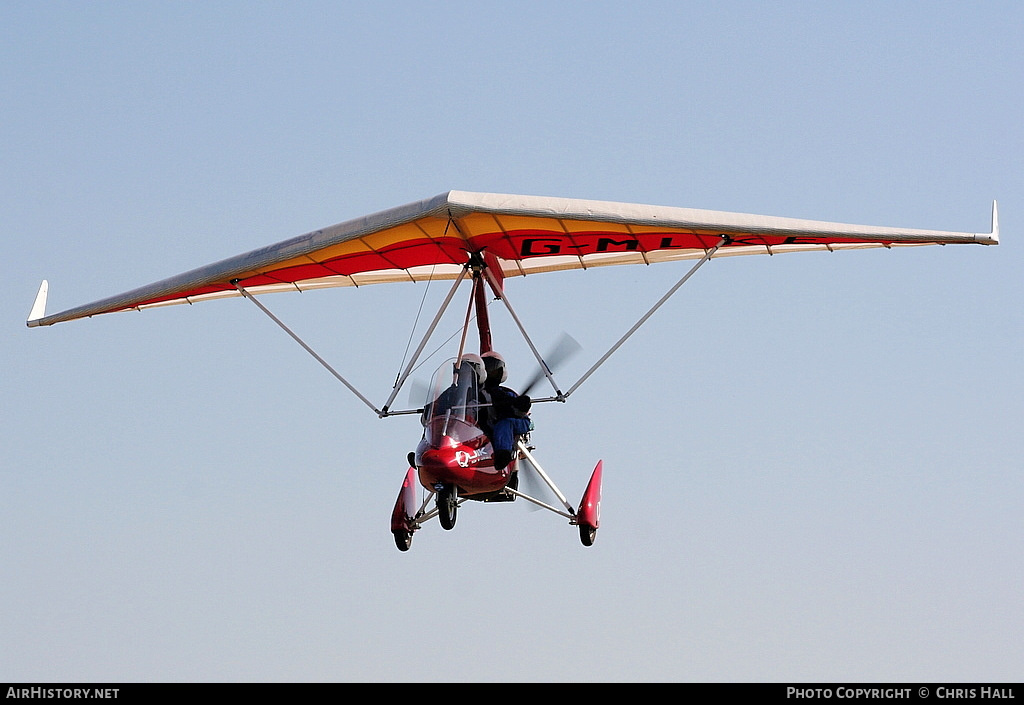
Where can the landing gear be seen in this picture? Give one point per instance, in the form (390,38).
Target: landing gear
(447,506)
(403,539)
(404,516)
(587,534)
(588,517)
(411,511)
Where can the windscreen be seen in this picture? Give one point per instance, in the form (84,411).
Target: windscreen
(452,406)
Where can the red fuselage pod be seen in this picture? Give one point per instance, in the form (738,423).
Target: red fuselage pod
(469,466)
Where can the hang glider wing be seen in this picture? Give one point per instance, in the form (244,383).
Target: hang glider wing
(432,239)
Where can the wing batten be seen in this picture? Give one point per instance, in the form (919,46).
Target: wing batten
(431,239)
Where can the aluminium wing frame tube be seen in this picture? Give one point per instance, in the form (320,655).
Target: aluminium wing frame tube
(643,319)
(306,347)
(423,343)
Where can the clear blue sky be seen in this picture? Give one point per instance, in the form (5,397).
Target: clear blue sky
(813,463)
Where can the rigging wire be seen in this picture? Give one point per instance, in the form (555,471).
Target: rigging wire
(444,342)
(415,323)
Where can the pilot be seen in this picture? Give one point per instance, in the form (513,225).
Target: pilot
(463,392)
(508,417)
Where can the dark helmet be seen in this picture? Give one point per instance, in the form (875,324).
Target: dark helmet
(495,364)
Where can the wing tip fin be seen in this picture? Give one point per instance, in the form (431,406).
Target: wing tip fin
(38,306)
(994,235)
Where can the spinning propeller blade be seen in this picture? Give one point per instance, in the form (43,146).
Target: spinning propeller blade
(418,391)
(531,484)
(565,349)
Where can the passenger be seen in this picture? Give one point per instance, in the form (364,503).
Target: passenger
(509,414)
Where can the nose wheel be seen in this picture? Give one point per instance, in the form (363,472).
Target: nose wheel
(447,506)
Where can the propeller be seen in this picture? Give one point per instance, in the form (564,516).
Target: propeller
(563,350)
(530,481)
(418,391)
(531,484)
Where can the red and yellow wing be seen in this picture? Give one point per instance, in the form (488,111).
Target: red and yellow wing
(433,239)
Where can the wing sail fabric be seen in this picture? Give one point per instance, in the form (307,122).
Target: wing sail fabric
(432,239)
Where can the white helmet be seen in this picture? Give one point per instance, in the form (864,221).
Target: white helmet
(476,363)
(495,365)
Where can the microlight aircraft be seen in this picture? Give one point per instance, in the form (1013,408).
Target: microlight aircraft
(481,240)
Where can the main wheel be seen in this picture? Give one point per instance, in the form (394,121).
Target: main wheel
(587,534)
(447,506)
(403,539)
